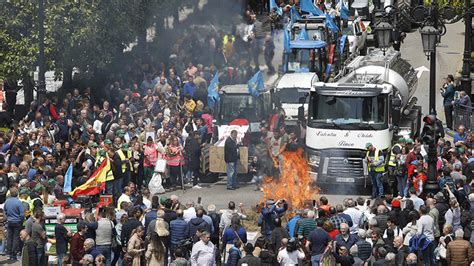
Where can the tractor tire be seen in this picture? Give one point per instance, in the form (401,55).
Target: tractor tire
(404,21)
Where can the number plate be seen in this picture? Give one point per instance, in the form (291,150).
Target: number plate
(345,179)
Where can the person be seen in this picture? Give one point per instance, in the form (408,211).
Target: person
(15,215)
(28,253)
(62,235)
(180,260)
(234,231)
(345,239)
(290,255)
(460,136)
(412,260)
(444,240)
(174,160)
(179,231)
(132,223)
(306,225)
(90,248)
(203,252)
(278,234)
(249,259)
(198,223)
(355,215)
(395,169)
(400,249)
(38,234)
(135,246)
(234,254)
(459,251)
(155,252)
(100,260)
(103,236)
(448,91)
(343,257)
(87,259)
(118,249)
(227,214)
(269,52)
(364,248)
(271,211)
(231,156)
(317,242)
(425,226)
(375,161)
(125,197)
(463,103)
(77,244)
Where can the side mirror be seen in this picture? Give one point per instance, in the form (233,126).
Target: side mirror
(302,100)
(301,113)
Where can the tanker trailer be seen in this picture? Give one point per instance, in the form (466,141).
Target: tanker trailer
(372,101)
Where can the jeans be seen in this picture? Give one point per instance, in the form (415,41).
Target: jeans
(60,259)
(315,259)
(105,250)
(402,185)
(118,186)
(448,112)
(231,175)
(41,256)
(13,238)
(377,185)
(117,260)
(428,255)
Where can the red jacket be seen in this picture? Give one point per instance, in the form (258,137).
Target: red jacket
(77,248)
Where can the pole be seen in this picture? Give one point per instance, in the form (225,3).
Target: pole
(466,81)
(41,57)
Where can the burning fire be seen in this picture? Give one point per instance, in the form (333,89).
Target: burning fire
(294,184)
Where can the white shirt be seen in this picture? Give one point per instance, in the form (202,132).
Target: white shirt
(355,215)
(203,254)
(425,225)
(189,214)
(287,259)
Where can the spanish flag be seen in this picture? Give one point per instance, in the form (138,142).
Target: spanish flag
(95,183)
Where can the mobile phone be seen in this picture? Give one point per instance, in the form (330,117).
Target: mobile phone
(199,200)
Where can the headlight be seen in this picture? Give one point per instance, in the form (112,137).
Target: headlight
(314,158)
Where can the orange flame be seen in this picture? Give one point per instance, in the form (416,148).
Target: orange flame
(294,184)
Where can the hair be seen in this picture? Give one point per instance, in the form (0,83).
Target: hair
(157,244)
(413,215)
(61,216)
(411,258)
(360,201)
(424,210)
(14,192)
(320,222)
(235,222)
(362,234)
(231,205)
(88,257)
(179,213)
(248,248)
(339,208)
(199,213)
(323,200)
(89,241)
(261,242)
(138,229)
(328,226)
(155,202)
(332,210)
(459,233)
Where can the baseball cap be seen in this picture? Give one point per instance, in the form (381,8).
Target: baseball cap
(108,142)
(367,145)
(93,145)
(395,204)
(409,141)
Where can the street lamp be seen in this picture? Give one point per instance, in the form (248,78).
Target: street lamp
(383,33)
(429,38)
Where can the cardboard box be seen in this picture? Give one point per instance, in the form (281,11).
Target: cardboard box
(218,165)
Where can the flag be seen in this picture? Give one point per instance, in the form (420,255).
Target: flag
(308,6)
(303,35)
(343,10)
(286,41)
(294,16)
(273,5)
(329,22)
(255,84)
(342,43)
(95,183)
(68,179)
(213,91)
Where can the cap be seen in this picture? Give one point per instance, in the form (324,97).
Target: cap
(163,199)
(409,141)
(125,146)
(102,153)
(93,145)
(395,204)
(38,187)
(51,182)
(108,142)
(24,191)
(270,202)
(368,144)
(401,140)
(120,133)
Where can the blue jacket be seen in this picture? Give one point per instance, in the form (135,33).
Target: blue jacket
(149,216)
(179,230)
(94,252)
(265,220)
(418,242)
(448,95)
(230,235)
(14,210)
(291,226)
(234,256)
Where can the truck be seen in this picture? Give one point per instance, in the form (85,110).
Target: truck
(371,101)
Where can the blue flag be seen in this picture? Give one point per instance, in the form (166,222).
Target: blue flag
(68,180)
(213,91)
(303,35)
(294,16)
(342,43)
(286,41)
(255,84)
(343,10)
(273,5)
(330,23)
(308,6)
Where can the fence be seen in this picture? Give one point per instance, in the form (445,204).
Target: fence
(463,116)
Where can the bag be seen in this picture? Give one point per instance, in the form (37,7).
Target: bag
(160,166)
(155,186)
(127,259)
(113,243)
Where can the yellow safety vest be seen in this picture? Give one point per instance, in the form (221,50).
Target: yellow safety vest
(32,206)
(123,158)
(393,156)
(381,167)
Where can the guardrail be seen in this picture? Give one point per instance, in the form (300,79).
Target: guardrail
(463,115)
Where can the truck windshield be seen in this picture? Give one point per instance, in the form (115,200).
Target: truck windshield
(304,60)
(362,112)
(290,95)
(233,106)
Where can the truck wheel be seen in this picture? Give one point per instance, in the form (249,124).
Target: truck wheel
(404,22)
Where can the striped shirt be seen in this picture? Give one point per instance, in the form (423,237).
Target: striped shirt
(306,226)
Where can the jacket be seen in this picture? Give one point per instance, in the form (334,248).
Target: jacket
(448,95)
(133,246)
(197,223)
(14,210)
(365,249)
(266,217)
(180,262)
(234,256)
(231,154)
(250,260)
(179,230)
(28,253)
(77,247)
(459,252)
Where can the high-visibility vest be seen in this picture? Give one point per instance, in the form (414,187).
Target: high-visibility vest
(123,158)
(32,203)
(381,167)
(393,156)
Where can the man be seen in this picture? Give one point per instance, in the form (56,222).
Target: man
(401,250)
(249,259)
(375,163)
(271,211)
(89,248)
(382,217)
(151,215)
(203,252)
(355,215)
(317,242)
(77,243)
(417,202)
(434,213)
(62,236)
(459,251)
(425,226)
(134,214)
(460,135)
(198,223)
(189,88)
(394,169)
(179,231)
(15,215)
(448,91)
(227,215)
(125,197)
(340,213)
(269,52)
(363,246)
(336,219)
(307,224)
(38,235)
(345,239)
(190,212)
(231,156)
(463,104)
(28,254)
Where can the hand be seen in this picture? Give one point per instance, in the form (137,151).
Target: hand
(241,205)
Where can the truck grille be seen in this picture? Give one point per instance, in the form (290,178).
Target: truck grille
(343,167)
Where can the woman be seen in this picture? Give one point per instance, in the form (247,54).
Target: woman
(174,160)
(155,253)
(118,249)
(411,229)
(150,157)
(447,237)
(137,161)
(135,246)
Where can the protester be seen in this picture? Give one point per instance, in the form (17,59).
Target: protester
(15,216)
(28,254)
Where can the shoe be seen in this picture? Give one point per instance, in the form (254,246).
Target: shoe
(230,188)
(197,187)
